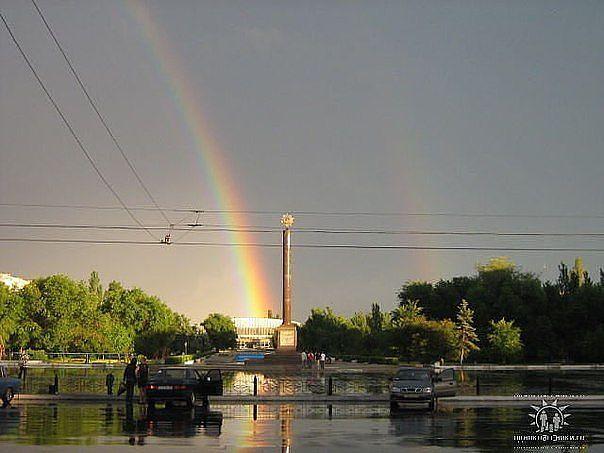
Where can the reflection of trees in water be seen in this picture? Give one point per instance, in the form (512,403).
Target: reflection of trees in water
(496,427)
(484,428)
(85,424)
(54,423)
(466,429)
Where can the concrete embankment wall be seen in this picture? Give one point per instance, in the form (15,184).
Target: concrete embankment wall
(595,401)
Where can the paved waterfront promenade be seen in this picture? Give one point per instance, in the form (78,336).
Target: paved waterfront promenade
(595,401)
(336,367)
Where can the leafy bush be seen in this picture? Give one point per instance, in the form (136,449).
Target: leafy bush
(37,354)
(177,359)
(375,359)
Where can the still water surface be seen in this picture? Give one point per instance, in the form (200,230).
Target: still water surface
(276,427)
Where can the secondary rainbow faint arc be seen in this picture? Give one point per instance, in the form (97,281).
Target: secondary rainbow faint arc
(215,166)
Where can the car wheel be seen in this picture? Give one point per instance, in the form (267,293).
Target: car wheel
(8,396)
(191,400)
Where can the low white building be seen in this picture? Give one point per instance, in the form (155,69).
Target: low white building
(256,333)
(12,281)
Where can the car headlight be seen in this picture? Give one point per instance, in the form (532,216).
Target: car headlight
(395,390)
(427,390)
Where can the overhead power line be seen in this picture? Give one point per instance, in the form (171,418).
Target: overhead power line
(86,207)
(307,213)
(309,246)
(71,130)
(99,115)
(199,228)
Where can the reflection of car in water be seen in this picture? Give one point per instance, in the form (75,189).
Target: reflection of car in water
(10,420)
(420,386)
(186,385)
(8,386)
(183,422)
(431,429)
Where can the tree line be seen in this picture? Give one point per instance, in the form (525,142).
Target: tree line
(500,314)
(59,314)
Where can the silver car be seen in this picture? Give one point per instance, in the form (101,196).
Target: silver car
(420,386)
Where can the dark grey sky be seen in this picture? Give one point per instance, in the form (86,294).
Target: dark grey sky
(430,106)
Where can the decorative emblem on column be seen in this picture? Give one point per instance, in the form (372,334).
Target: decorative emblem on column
(287,221)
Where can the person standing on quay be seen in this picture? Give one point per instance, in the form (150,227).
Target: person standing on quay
(143,378)
(304,359)
(322,361)
(130,379)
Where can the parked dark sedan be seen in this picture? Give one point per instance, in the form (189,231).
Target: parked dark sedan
(181,384)
(8,386)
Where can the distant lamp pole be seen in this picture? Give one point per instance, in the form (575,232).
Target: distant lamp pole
(186,344)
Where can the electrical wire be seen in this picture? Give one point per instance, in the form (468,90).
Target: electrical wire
(99,115)
(303,246)
(198,228)
(190,229)
(309,213)
(70,128)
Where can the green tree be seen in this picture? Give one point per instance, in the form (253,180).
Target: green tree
(578,274)
(326,331)
(466,333)
(56,313)
(422,340)
(94,285)
(504,341)
(221,331)
(9,316)
(498,263)
(407,312)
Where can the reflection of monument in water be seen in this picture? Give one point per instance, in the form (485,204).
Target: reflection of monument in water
(286,414)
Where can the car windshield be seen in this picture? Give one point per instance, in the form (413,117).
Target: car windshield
(172,373)
(412,375)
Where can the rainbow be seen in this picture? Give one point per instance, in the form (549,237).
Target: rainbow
(250,269)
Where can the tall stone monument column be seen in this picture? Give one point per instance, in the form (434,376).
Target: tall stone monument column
(286,333)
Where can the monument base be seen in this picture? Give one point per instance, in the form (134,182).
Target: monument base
(285,355)
(279,359)
(287,339)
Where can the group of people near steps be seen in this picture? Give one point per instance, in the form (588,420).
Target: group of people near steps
(135,374)
(313,359)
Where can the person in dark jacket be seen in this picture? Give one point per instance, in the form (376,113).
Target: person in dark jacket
(143,378)
(130,379)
